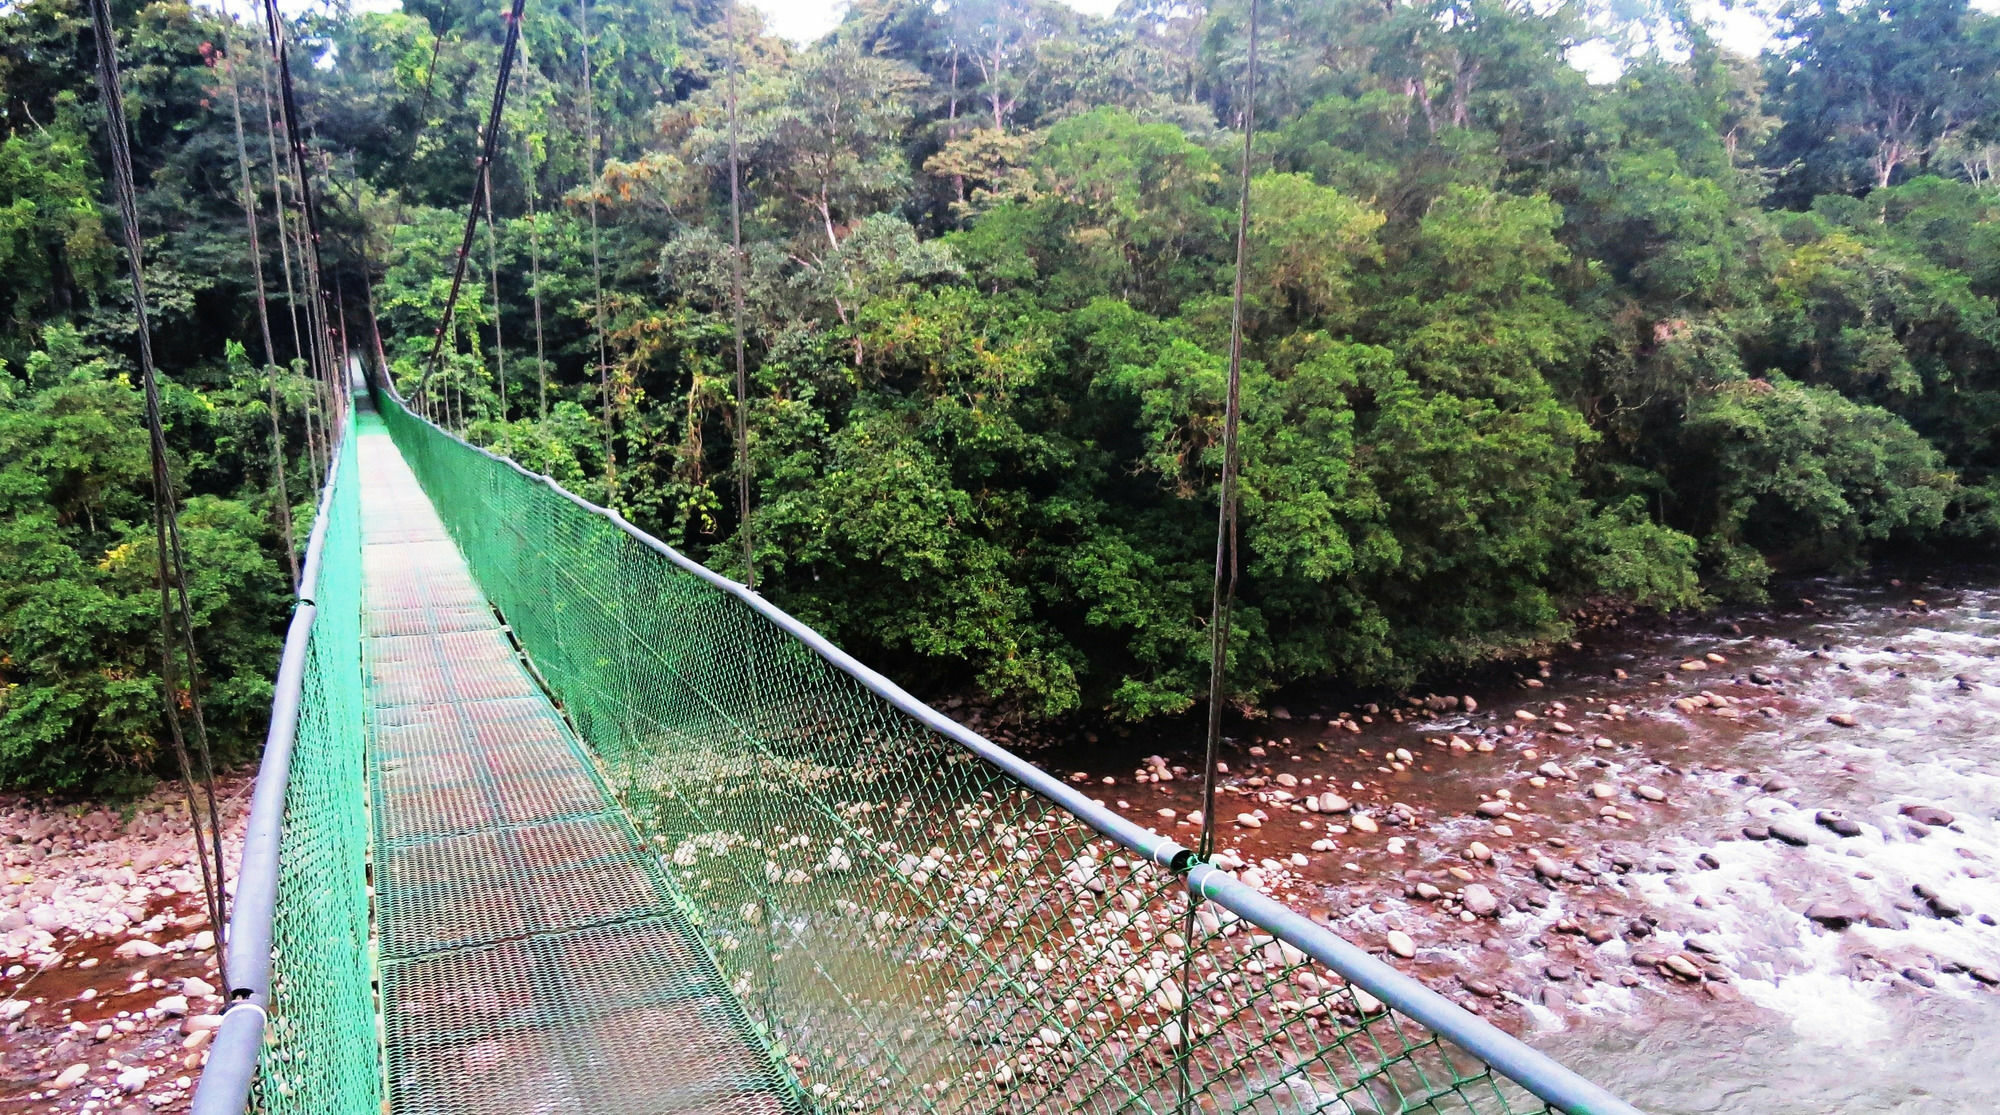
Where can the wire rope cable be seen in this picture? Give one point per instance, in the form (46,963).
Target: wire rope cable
(169,551)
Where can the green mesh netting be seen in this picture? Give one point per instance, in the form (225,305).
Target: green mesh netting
(906,926)
(321,1053)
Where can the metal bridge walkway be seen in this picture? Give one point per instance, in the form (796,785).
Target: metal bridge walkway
(532,957)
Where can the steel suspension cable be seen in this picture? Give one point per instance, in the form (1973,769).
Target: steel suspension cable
(263,308)
(485,166)
(493,270)
(736,320)
(535,278)
(596,253)
(316,320)
(169,549)
(1223,589)
(299,337)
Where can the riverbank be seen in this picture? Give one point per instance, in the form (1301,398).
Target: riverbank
(1780,823)
(108,996)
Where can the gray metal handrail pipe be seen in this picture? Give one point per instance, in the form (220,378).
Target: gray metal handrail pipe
(1533,1070)
(231,1071)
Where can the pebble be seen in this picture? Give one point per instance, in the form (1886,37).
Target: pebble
(1651,793)
(1249,821)
(1401,944)
(1362,822)
(68,1077)
(1843,719)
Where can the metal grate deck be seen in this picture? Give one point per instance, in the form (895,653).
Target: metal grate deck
(533,956)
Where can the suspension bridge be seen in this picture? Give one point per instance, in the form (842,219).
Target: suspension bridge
(552,818)
(555,819)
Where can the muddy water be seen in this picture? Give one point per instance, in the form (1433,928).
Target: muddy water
(1651,929)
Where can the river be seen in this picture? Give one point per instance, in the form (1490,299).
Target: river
(1711,897)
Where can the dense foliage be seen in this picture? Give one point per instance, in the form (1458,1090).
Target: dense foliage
(1517,344)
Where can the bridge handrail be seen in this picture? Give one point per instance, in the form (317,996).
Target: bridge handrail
(231,1069)
(1535,1071)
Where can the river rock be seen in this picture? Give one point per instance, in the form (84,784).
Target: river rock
(1650,793)
(1331,802)
(139,948)
(1844,720)
(1928,815)
(1491,808)
(1478,900)
(1837,913)
(1249,821)
(1548,869)
(1939,904)
(1362,822)
(1834,821)
(69,1077)
(1401,944)
(1791,830)
(1682,965)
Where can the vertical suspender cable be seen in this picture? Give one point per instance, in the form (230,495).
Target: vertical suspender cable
(493,272)
(479,194)
(1223,594)
(299,338)
(170,553)
(284,500)
(309,264)
(596,255)
(736,321)
(1223,590)
(535,279)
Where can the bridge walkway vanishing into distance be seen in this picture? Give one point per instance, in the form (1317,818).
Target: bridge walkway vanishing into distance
(554,819)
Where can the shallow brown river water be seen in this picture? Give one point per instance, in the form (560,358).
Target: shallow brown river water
(1711,897)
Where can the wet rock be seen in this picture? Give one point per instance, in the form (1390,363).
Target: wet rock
(1249,821)
(69,1077)
(1682,965)
(1651,793)
(1928,815)
(1939,904)
(1919,977)
(1558,971)
(1331,802)
(1837,913)
(1478,900)
(1485,989)
(1756,832)
(1491,808)
(1834,821)
(1792,831)
(1401,944)
(1548,869)
(1776,784)
(1844,720)
(1364,823)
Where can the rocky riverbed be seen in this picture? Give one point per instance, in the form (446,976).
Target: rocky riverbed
(107,963)
(1775,831)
